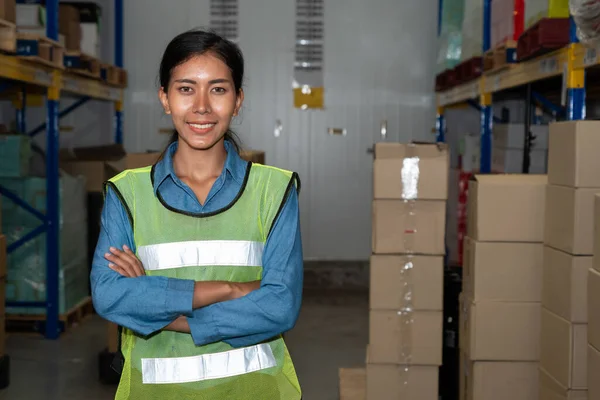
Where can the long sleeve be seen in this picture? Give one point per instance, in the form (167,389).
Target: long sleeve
(274,307)
(145,304)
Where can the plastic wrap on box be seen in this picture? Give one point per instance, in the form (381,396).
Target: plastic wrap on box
(508,21)
(450,39)
(472,29)
(15,155)
(538,9)
(586,14)
(26,280)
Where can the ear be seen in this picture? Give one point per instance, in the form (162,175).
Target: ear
(162,96)
(238,102)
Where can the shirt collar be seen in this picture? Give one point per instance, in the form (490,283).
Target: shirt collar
(235,166)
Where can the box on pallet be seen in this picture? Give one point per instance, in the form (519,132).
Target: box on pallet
(499,331)
(393,277)
(538,9)
(569,219)
(506,208)
(496,271)
(550,389)
(593,299)
(417,173)
(15,155)
(563,350)
(573,157)
(30,15)
(413,337)
(472,29)
(596,246)
(565,285)
(392,382)
(27,264)
(498,380)
(508,21)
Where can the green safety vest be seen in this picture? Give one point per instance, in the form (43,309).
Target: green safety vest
(225,245)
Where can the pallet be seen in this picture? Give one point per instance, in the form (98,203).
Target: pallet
(469,70)
(546,35)
(446,80)
(503,56)
(23,323)
(40,50)
(353,383)
(113,75)
(82,64)
(8,37)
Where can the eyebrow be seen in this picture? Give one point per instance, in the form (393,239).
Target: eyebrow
(212,82)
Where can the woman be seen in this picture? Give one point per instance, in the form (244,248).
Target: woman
(200,257)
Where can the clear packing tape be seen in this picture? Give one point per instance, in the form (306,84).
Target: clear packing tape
(410,192)
(586,14)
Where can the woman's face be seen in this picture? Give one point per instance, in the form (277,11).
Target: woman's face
(201,99)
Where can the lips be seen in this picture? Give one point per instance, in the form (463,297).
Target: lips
(201,128)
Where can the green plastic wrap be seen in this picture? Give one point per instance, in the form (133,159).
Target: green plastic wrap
(15,155)
(450,40)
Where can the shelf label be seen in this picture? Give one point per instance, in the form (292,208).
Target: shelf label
(115,94)
(43,77)
(71,85)
(549,65)
(590,57)
(496,83)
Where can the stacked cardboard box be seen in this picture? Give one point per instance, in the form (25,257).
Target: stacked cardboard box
(501,300)
(508,21)
(3,268)
(593,291)
(409,211)
(573,181)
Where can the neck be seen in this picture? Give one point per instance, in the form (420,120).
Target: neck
(199,164)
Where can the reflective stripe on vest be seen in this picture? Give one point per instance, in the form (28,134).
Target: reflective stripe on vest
(201,253)
(208,366)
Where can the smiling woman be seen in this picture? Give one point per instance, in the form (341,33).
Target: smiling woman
(200,257)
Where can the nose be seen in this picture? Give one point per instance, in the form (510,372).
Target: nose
(202,103)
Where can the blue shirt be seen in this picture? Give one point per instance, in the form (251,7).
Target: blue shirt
(147,304)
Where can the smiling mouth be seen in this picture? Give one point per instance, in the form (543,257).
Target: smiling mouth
(206,125)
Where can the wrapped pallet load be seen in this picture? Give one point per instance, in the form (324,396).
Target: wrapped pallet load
(450,39)
(586,14)
(472,29)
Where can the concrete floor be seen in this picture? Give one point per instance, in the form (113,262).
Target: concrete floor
(332,332)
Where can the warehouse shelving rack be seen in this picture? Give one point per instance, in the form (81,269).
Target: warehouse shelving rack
(55,82)
(570,62)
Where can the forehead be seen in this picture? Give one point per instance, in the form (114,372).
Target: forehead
(202,67)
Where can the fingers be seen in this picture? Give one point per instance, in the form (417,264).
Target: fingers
(125,262)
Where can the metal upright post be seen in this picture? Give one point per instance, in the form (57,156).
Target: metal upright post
(52,188)
(486,99)
(575,81)
(20,109)
(119,63)
(440,126)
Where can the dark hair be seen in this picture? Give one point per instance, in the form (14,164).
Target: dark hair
(197,42)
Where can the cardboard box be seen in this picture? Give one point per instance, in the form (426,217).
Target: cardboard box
(550,389)
(394,279)
(470,153)
(98,164)
(500,331)
(564,350)
(593,372)
(573,157)
(570,219)
(512,136)
(401,227)
(498,271)
(30,15)
(504,380)
(510,161)
(506,208)
(564,288)
(393,382)
(414,339)
(113,337)
(8,10)
(596,238)
(593,307)
(410,171)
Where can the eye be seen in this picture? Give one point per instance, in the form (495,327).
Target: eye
(220,90)
(185,89)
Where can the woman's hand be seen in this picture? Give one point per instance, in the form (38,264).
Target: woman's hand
(125,262)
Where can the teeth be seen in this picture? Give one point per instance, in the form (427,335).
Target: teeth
(202,126)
